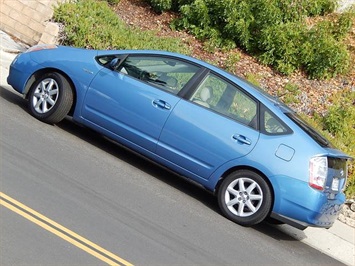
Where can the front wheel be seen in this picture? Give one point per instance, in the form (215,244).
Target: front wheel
(245,197)
(50,98)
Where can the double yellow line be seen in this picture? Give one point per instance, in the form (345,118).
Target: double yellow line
(61,231)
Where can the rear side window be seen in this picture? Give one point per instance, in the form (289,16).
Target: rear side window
(223,97)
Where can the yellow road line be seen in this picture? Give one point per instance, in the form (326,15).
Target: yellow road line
(61,231)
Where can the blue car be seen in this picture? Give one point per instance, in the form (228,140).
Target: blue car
(256,155)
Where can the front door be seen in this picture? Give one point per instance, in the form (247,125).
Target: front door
(135,101)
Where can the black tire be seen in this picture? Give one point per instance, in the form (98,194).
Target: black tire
(50,98)
(245,197)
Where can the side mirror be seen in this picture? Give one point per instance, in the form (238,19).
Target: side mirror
(114,64)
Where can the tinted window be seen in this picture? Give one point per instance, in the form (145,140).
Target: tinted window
(165,73)
(105,59)
(272,125)
(221,96)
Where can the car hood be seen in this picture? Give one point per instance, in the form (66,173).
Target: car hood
(63,54)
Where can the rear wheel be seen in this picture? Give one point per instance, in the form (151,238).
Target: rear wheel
(245,197)
(50,98)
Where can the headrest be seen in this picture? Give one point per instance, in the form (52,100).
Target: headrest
(205,94)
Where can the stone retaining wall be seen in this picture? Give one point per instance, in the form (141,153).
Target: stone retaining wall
(28,20)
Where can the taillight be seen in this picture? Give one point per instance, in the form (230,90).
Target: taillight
(318,171)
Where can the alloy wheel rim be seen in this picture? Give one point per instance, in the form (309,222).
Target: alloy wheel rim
(45,95)
(243,197)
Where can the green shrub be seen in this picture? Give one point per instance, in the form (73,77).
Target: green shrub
(290,93)
(92,24)
(319,7)
(196,18)
(322,55)
(231,62)
(113,2)
(253,78)
(275,31)
(340,118)
(239,23)
(161,5)
(279,46)
(343,24)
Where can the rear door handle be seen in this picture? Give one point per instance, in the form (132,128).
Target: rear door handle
(161,104)
(242,139)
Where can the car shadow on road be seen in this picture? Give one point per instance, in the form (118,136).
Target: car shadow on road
(180,183)
(13,97)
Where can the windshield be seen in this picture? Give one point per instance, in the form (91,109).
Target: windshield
(310,130)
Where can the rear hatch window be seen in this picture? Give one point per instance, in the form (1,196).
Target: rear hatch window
(312,132)
(337,174)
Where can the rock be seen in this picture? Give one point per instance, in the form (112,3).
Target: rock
(350,222)
(341,218)
(347,213)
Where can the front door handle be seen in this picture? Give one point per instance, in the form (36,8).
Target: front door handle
(242,139)
(161,104)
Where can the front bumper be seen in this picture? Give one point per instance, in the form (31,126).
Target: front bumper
(20,71)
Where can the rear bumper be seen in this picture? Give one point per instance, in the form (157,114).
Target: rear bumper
(302,206)
(314,219)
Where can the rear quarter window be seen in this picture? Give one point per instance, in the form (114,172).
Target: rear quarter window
(270,124)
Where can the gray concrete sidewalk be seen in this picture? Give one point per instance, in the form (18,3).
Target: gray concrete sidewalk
(337,242)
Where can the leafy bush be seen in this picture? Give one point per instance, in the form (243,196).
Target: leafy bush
(92,24)
(164,5)
(113,2)
(275,31)
(279,46)
(161,5)
(322,55)
(253,78)
(231,61)
(290,93)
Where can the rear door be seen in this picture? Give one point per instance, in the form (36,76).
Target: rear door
(135,101)
(217,124)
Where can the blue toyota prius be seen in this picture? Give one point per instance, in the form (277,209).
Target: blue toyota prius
(257,156)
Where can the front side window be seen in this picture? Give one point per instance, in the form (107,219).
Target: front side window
(163,72)
(221,96)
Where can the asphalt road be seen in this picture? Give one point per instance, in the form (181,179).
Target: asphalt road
(125,208)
